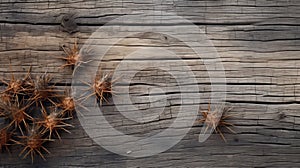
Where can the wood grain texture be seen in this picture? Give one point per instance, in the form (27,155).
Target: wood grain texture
(257,40)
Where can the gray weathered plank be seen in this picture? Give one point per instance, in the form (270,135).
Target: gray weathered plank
(258,42)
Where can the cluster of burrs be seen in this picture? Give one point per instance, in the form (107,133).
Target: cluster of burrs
(34,111)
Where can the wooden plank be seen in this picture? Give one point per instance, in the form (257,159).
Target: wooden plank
(257,40)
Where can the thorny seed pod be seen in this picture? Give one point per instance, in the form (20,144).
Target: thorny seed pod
(33,144)
(68,105)
(42,89)
(15,111)
(53,122)
(216,120)
(72,55)
(5,138)
(17,86)
(101,88)
(13,86)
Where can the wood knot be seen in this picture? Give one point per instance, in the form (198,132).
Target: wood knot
(68,23)
(281,116)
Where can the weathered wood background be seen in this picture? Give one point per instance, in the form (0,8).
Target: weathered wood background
(258,41)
